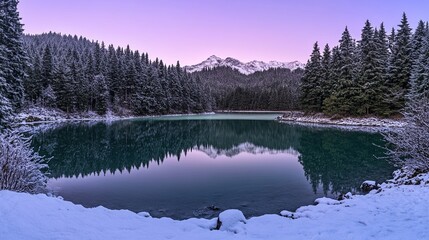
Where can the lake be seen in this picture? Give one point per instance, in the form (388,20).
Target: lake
(197,166)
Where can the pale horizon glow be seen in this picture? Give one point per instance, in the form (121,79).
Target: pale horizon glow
(191,30)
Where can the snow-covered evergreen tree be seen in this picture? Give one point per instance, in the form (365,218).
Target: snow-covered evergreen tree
(400,68)
(311,88)
(326,73)
(49,98)
(380,106)
(419,79)
(343,98)
(20,167)
(373,56)
(13,60)
(374,76)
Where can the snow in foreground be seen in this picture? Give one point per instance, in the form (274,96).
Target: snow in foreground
(392,212)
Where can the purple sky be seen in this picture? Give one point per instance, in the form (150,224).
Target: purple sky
(192,30)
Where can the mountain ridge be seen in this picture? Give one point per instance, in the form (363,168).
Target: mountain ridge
(244,68)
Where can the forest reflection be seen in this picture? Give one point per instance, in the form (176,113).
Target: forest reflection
(337,160)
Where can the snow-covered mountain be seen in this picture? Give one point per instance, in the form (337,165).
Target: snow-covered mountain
(245,68)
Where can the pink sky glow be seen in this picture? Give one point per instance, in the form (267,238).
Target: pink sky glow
(192,30)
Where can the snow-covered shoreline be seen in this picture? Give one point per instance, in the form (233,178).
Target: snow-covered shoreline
(43,115)
(397,210)
(299,117)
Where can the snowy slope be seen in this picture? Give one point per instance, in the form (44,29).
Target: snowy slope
(393,212)
(245,68)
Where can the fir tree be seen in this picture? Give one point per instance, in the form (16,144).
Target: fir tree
(368,78)
(14,61)
(311,98)
(342,100)
(399,68)
(326,73)
(419,79)
(47,67)
(382,56)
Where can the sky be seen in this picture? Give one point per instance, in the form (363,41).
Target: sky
(192,30)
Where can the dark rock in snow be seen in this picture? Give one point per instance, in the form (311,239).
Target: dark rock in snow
(367,186)
(33,119)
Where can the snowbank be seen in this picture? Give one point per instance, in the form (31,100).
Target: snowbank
(321,119)
(38,115)
(392,212)
(43,115)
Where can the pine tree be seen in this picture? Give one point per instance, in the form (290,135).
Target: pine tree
(326,73)
(34,82)
(101,94)
(419,79)
(399,68)
(49,97)
(14,62)
(343,97)
(6,109)
(175,75)
(311,98)
(382,55)
(368,78)
(47,67)
(392,40)
(148,101)
(417,40)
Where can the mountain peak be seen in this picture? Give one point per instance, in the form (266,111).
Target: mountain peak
(214,57)
(244,68)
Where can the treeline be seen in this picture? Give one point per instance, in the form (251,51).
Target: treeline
(372,76)
(257,98)
(273,89)
(75,75)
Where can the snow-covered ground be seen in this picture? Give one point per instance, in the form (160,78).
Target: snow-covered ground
(398,210)
(348,121)
(39,115)
(36,115)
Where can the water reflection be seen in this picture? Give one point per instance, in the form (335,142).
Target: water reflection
(337,159)
(261,158)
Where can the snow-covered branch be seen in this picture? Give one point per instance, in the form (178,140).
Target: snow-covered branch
(20,167)
(411,143)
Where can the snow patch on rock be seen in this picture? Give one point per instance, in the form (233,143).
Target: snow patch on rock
(231,220)
(368,185)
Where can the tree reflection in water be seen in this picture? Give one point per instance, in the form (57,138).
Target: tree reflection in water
(337,160)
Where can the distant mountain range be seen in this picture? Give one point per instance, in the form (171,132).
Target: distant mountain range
(244,68)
